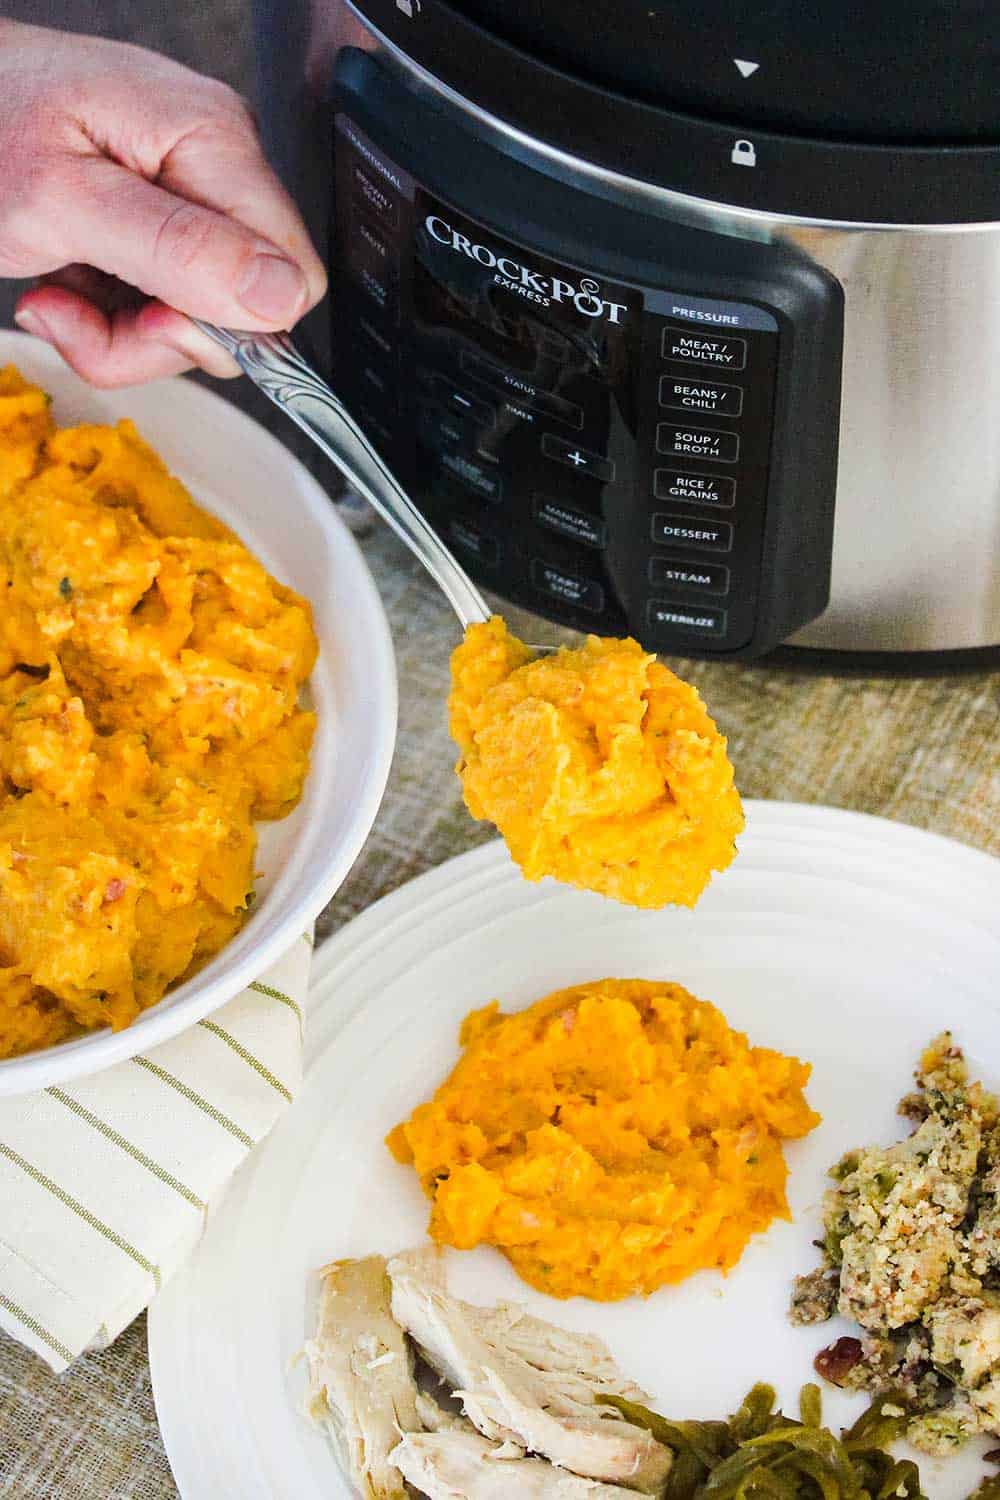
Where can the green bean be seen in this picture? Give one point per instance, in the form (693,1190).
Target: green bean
(760,1454)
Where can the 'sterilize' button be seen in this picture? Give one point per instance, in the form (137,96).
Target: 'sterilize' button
(691,577)
(698,442)
(694,488)
(694,346)
(701,395)
(699,620)
(582,593)
(680,531)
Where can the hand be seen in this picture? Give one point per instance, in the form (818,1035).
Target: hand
(138,192)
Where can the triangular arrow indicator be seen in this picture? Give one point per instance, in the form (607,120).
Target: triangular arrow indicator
(746,68)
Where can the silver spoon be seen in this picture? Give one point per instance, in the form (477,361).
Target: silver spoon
(275,365)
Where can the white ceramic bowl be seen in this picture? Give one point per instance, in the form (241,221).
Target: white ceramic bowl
(244,475)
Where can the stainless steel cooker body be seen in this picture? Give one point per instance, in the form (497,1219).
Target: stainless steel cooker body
(916,554)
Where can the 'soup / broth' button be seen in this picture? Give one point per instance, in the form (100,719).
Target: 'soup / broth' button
(688,440)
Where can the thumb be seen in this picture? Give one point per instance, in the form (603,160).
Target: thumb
(190,257)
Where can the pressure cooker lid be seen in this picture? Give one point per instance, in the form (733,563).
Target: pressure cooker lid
(860,111)
(872,70)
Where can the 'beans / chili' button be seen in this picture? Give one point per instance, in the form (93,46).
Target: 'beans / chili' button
(698,619)
(680,531)
(701,395)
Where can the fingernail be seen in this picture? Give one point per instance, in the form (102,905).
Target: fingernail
(272,289)
(30,322)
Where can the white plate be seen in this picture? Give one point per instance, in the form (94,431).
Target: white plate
(845,939)
(244,475)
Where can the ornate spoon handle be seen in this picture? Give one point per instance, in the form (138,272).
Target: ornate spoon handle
(274,364)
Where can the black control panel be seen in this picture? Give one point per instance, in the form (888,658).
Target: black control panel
(614,451)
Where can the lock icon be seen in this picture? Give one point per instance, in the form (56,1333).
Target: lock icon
(743,154)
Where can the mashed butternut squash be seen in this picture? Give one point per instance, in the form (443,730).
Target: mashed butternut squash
(597,765)
(149,681)
(612,1137)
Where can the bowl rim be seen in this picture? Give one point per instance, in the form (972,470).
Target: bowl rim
(95,1051)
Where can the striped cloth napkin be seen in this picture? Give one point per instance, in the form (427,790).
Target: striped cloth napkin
(106,1182)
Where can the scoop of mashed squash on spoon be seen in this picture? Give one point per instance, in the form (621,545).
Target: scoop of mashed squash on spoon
(599,766)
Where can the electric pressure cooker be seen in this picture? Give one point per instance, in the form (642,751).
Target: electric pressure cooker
(677,319)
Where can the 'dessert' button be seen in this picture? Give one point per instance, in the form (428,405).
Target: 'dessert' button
(582,593)
(663,615)
(708,536)
(694,488)
(695,346)
(688,440)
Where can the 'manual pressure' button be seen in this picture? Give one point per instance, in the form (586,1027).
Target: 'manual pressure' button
(694,488)
(694,346)
(697,442)
(567,520)
(680,531)
(701,395)
(697,619)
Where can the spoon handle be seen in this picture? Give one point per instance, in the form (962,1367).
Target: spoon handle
(274,365)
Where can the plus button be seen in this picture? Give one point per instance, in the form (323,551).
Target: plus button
(582,459)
